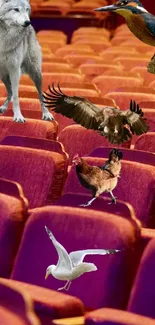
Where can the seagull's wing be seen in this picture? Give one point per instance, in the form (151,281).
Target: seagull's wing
(134,118)
(64,260)
(78,256)
(79,109)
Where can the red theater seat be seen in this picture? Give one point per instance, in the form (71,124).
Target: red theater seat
(41,173)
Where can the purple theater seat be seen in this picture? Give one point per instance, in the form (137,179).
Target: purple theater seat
(122,209)
(18,301)
(80,229)
(136,186)
(128,154)
(32,128)
(108,316)
(47,304)
(41,173)
(146,142)
(142,295)
(12,219)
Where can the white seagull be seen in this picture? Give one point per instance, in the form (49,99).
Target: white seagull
(71,266)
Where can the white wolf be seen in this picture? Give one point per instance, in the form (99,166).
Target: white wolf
(20,53)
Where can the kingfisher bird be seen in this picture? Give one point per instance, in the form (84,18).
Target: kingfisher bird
(140,22)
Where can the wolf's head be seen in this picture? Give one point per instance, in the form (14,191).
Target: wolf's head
(15,12)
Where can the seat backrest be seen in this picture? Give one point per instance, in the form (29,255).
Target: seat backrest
(32,128)
(29,142)
(93,70)
(12,219)
(110,83)
(147,77)
(7,317)
(142,295)
(76,229)
(146,142)
(130,187)
(84,140)
(128,154)
(113,316)
(68,76)
(130,62)
(122,99)
(17,301)
(147,104)
(40,173)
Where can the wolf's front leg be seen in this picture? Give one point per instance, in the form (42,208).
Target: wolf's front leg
(36,76)
(7,84)
(14,78)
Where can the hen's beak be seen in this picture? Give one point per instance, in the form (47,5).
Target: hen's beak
(46,276)
(107,8)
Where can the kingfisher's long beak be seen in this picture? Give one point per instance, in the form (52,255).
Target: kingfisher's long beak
(107,8)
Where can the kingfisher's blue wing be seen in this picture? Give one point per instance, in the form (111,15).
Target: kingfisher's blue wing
(150,23)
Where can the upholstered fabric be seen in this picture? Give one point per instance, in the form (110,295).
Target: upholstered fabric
(31,142)
(93,70)
(7,317)
(142,71)
(70,48)
(147,104)
(40,172)
(84,140)
(47,304)
(96,45)
(110,83)
(79,229)
(14,189)
(16,299)
(12,219)
(130,187)
(122,208)
(142,295)
(32,128)
(122,99)
(140,156)
(146,142)
(108,316)
(77,59)
(129,63)
(49,77)
(29,103)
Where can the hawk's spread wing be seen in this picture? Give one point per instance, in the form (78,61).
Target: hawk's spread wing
(80,109)
(134,118)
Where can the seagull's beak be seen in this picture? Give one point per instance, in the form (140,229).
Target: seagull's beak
(46,276)
(107,8)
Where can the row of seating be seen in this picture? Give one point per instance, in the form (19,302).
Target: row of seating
(67,7)
(44,185)
(45,191)
(115,273)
